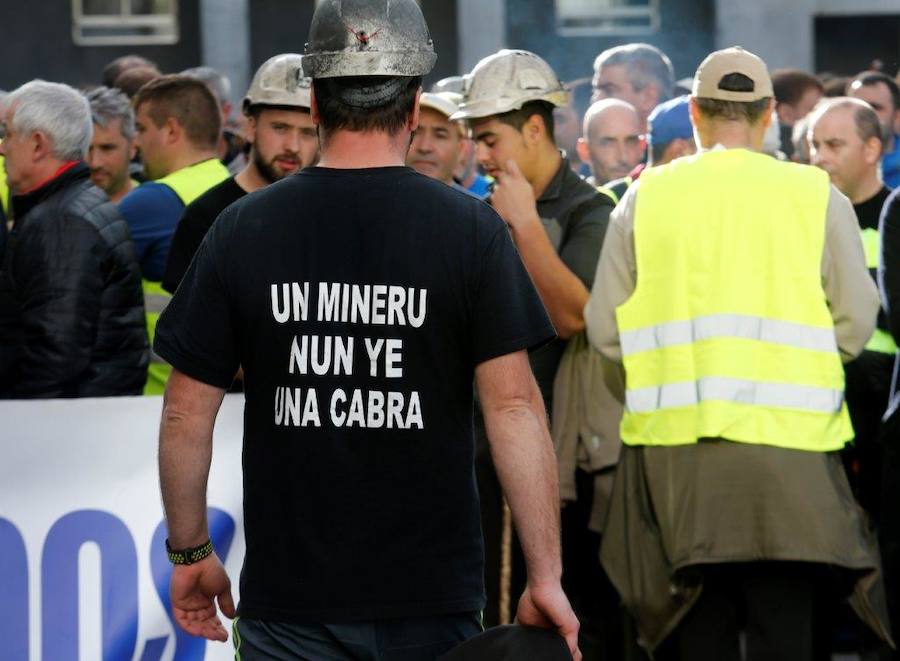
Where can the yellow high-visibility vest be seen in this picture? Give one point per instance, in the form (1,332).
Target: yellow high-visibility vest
(728,333)
(4,191)
(188,183)
(881,341)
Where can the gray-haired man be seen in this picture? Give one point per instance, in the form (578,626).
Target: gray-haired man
(71,307)
(640,74)
(112,144)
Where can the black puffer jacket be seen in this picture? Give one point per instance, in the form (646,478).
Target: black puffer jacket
(71,306)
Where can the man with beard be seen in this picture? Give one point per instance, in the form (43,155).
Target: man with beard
(282,140)
(112,143)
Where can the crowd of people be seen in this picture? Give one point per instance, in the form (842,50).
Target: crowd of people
(110,193)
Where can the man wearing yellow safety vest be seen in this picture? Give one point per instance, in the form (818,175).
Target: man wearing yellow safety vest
(846,141)
(731,318)
(178,124)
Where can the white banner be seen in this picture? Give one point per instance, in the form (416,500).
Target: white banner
(83,569)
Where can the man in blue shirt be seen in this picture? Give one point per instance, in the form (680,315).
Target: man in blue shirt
(882,93)
(178,125)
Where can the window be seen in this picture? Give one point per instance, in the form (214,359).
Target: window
(606,17)
(124,22)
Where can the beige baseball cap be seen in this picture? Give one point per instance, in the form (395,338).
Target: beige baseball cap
(446,103)
(732,60)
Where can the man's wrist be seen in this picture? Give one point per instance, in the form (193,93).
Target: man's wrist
(189,555)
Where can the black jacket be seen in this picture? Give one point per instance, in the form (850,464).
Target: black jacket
(71,305)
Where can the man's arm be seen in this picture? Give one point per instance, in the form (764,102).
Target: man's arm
(516,424)
(563,294)
(852,296)
(185,453)
(889,262)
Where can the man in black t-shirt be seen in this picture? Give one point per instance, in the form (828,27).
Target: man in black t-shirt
(282,140)
(846,141)
(362,300)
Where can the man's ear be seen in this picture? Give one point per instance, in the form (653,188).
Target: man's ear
(313,105)
(173,130)
(250,129)
(534,129)
(413,122)
(39,146)
(872,150)
(584,153)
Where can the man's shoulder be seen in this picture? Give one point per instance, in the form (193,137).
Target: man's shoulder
(148,200)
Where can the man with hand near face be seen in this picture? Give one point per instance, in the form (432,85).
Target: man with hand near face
(112,143)
(557,222)
(282,140)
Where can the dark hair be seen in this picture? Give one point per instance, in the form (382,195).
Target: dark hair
(658,150)
(865,121)
(517,118)
(750,111)
(870,78)
(188,101)
(791,84)
(131,80)
(834,85)
(352,103)
(115,68)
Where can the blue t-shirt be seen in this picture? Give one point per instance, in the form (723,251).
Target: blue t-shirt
(152,211)
(481,186)
(890,165)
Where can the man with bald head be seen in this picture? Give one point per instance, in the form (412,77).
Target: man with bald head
(613,143)
(846,141)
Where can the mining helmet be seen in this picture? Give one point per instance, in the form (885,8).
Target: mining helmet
(279,82)
(506,81)
(368,38)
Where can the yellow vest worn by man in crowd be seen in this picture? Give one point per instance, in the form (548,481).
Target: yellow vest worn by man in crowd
(733,287)
(179,155)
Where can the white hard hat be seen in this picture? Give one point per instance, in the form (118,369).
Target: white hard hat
(446,103)
(506,81)
(279,82)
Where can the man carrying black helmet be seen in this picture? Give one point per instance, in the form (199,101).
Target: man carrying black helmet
(362,300)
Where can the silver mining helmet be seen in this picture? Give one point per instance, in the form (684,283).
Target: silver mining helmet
(279,82)
(368,38)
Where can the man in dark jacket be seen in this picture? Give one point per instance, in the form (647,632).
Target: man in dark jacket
(71,307)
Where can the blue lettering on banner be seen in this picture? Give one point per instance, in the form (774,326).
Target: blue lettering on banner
(59,585)
(118,587)
(13,593)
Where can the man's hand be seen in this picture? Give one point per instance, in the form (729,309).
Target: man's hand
(194,589)
(548,607)
(513,198)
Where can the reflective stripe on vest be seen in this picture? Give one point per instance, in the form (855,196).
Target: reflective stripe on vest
(710,388)
(728,325)
(155,301)
(728,333)
(881,341)
(609,192)
(188,183)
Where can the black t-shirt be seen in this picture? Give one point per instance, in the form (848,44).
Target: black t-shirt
(195,222)
(358,303)
(869,211)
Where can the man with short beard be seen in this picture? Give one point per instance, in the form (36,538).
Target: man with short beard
(282,140)
(112,143)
